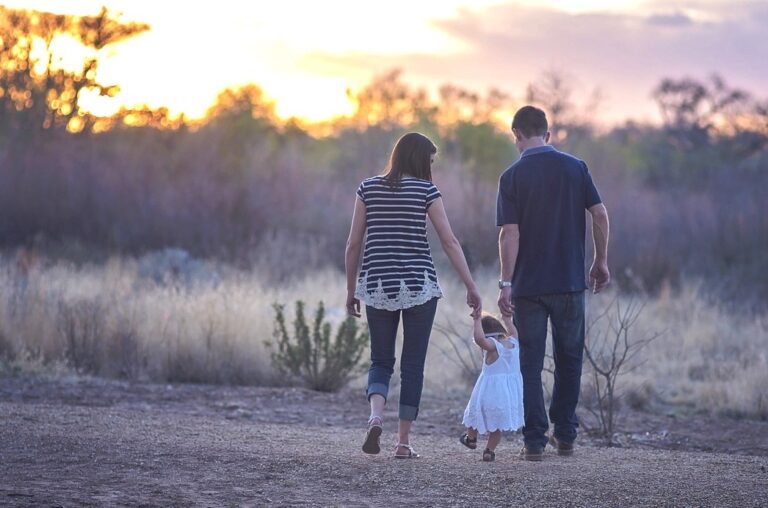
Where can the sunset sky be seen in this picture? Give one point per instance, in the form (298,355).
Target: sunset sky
(306,54)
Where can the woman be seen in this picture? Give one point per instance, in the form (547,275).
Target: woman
(398,277)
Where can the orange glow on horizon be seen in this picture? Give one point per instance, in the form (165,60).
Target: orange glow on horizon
(192,52)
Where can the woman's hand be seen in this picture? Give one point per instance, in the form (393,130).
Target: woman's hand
(353,305)
(475,302)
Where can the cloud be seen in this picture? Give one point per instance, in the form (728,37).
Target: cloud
(674,19)
(623,54)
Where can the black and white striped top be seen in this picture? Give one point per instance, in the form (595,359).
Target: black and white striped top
(397,271)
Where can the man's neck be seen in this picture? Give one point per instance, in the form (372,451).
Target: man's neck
(534,142)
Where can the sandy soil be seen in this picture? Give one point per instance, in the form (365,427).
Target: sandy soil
(89,442)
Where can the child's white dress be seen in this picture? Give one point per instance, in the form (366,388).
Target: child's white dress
(497,399)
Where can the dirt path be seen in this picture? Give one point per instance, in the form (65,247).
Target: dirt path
(97,443)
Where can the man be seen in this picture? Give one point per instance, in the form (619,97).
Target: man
(540,209)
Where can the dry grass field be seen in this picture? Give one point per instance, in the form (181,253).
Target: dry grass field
(166,317)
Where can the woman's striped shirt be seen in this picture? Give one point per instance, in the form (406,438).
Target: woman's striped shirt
(397,271)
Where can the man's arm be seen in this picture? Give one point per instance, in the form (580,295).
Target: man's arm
(599,275)
(509,246)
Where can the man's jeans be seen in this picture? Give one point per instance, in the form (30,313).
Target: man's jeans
(566,312)
(417,326)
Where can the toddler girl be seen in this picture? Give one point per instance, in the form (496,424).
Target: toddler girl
(496,403)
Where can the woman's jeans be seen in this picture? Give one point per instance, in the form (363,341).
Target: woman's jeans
(417,326)
(566,313)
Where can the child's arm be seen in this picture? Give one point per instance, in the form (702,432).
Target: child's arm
(480,338)
(510,325)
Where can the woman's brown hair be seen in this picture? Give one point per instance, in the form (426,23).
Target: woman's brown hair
(411,156)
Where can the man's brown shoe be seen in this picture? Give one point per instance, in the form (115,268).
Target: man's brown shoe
(563,448)
(532,453)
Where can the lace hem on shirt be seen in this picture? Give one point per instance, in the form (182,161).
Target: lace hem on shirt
(404,299)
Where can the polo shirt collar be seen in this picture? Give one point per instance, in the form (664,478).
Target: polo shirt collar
(537,149)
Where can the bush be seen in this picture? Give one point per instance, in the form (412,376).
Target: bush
(610,352)
(311,356)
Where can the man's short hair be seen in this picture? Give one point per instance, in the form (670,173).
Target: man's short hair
(530,121)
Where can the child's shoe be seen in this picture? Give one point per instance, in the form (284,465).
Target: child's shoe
(467,441)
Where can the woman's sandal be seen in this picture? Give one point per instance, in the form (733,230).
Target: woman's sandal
(371,444)
(489,455)
(468,441)
(411,452)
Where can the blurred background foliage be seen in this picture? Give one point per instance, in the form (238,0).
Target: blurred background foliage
(687,197)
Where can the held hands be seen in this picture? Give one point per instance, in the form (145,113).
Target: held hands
(599,276)
(475,302)
(353,304)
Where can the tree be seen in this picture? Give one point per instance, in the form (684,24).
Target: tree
(37,92)
(390,103)
(243,121)
(700,113)
(553,92)
(248,101)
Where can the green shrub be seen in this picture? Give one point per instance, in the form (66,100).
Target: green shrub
(311,356)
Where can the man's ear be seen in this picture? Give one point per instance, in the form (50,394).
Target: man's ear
(518,134)
(546,137)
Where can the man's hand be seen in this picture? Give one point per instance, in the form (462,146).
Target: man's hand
(505,302)
(599,276)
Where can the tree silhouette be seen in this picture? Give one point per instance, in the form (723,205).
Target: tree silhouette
(389,102)
(554,92)
(37,92)
(695,112)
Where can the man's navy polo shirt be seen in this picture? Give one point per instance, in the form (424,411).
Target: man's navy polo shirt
(546,193)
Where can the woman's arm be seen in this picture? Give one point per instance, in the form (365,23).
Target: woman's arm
(480,338)
(452,248)
(352,255)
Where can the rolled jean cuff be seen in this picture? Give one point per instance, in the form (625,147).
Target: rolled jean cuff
(408,412)
(379,388)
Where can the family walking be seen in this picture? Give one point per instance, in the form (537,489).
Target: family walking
(540,210)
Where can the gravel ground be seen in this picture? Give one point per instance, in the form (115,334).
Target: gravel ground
(85,442)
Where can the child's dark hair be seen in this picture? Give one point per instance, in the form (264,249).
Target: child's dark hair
(491,325)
